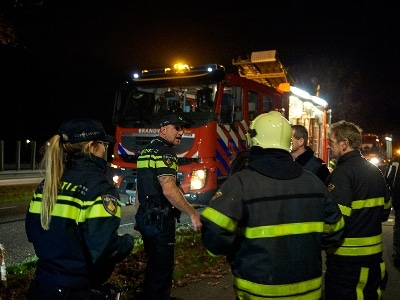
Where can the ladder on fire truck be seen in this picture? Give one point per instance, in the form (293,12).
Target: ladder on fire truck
(263,67)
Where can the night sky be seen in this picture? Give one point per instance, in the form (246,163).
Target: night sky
(75,55)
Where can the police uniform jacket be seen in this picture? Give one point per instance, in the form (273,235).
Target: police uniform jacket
(271,221)
(361,192)
(82,239)
(157,159)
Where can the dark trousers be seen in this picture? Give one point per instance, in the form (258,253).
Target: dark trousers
(159,247)
(43,291)
(343,281)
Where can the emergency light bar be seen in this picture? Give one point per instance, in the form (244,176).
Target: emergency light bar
(179,69)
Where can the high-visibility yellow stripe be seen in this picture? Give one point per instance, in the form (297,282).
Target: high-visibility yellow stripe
(383,269)
(360,246)
(360,204)
(362,282)
(219,219)
(363,241)
(283,229)
(73,208)
(271,230)
(346,211)
(310,289)
(357,251)
(152,161)
(372,202)
(63,210)
(332,228)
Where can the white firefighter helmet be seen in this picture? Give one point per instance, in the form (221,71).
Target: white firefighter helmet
(270,130)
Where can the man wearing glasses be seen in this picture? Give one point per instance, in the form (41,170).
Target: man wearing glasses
(159,201)
(355,270)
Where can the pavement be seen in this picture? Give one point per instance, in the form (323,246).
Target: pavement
(221,288)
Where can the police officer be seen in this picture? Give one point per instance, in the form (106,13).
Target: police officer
(159,201)
(356,270)
(74,216)
(272,219)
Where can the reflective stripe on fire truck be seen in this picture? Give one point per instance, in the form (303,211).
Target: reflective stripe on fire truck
(121,150)
(229,143)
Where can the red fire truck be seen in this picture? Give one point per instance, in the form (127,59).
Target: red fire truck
(221,106)
(377,149)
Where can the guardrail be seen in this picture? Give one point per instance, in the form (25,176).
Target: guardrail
(26,157)
(21,174)
(26,150)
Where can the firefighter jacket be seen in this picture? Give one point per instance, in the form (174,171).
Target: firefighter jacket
(82,241)
(360,189)
(271,221)
(313,164)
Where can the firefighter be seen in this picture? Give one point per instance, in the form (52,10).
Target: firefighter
(74,216)
(160,202)
(272,219)
(393,181)
(356,269)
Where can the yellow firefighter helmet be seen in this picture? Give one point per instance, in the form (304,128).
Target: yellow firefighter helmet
(270,130)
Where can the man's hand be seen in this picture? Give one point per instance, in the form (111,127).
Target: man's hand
(195,218)
(174,195)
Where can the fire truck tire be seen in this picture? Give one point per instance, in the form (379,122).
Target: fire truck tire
(240,162)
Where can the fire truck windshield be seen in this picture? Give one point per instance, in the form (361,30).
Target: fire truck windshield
(145,104)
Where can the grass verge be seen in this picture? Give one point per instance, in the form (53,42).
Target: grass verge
(192,263)
(17,193)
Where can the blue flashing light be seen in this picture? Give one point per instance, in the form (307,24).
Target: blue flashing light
(208,68)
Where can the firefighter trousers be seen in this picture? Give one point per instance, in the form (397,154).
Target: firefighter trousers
(352,281)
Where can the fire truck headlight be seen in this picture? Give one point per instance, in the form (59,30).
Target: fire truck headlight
(374,161)
(117,180)
(198,179)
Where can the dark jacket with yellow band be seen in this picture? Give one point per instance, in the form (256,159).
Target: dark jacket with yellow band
(82,240)
(361,192)
(157,159)
(271,221)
